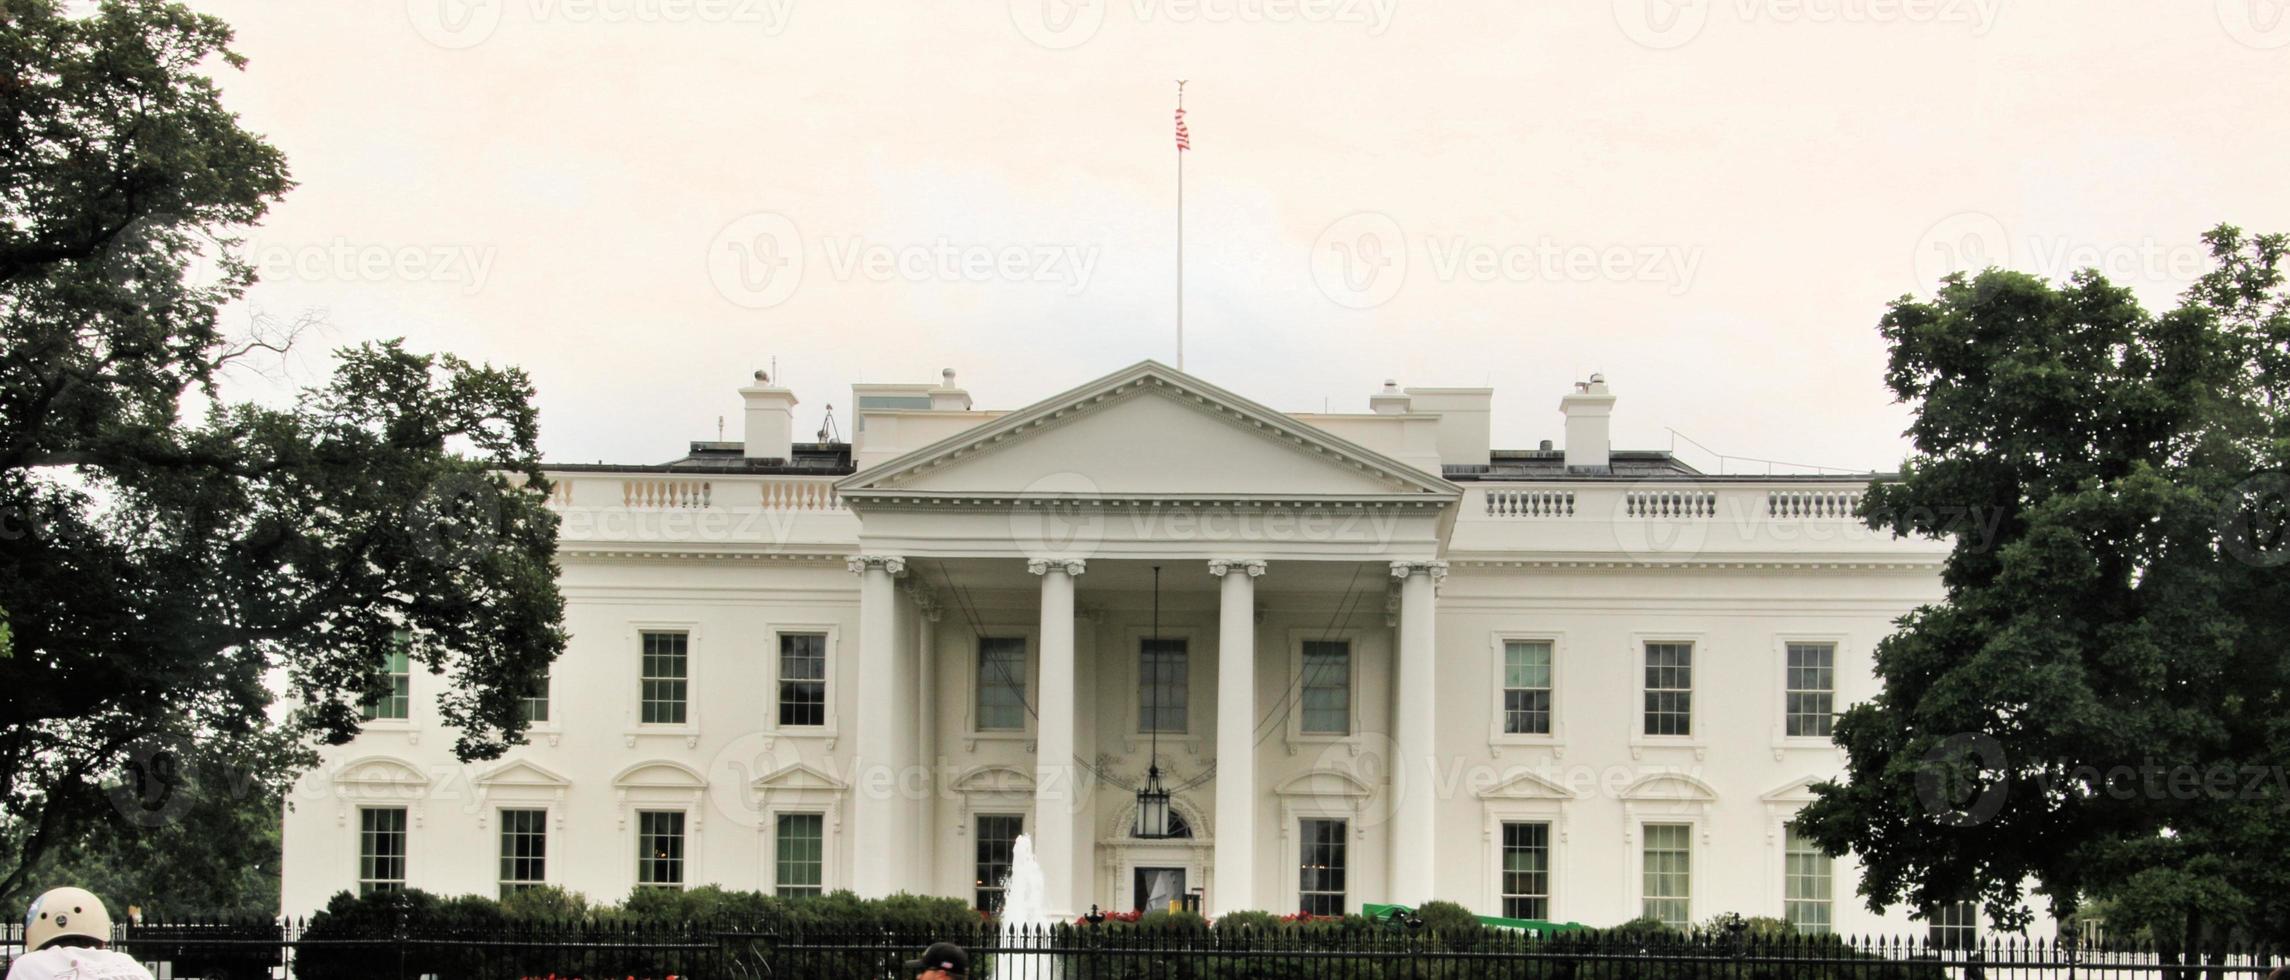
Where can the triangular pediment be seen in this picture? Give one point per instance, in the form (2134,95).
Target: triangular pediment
(382,771)
(1147,431)
(1793,791)
(522,773)
(1526,785)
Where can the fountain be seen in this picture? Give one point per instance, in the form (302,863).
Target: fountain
(1025,918)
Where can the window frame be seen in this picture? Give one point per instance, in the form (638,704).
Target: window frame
(507,885)
(1828,878)
(1839,645)
(695,672)
(829,723)
(404,833)
(1343,842)
(1200,688)
(1692,830)
(979,885)
(1145,693)
(1704,655)
(398,648)
(1359,642)
(975,662)
(683,859)
(779,884)
(1499,653)
(1550,849)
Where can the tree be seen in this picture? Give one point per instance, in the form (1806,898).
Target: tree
(172,562)
(2084,711)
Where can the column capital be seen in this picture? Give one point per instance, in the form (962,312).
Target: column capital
(858,564)
(1221,567)
(1070,566)
(1435,568)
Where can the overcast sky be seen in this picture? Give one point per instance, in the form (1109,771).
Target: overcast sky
(642,201)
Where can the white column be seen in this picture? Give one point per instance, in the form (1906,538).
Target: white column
(877,825)
(1415,763)
(1056,792)
(1236,737)
(922,879)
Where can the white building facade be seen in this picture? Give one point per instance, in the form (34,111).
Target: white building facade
(1383,662)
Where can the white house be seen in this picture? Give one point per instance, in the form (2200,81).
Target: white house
(1389,664)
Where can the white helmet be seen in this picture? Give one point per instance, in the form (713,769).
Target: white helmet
(63,912)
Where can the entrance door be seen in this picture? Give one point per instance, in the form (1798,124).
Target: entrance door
(1157,888)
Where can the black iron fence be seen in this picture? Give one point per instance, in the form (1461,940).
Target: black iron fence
(592,950)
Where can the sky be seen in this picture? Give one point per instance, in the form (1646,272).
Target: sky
(1711,202)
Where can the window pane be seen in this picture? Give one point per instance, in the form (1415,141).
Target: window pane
(803,679)
(398,666)
(1669,689)
(802,854)
(1162,691)
(1526,870)
(665,676)
(381,849)
(1001,684)
(524,850)
(997,836)
(1320,883)
(1668,873)
(1805,884)
(660,848)
(1955,925)
(1327,687)
(1811,692)
(536,701)
(1527,687)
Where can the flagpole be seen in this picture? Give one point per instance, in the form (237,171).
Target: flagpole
(1180,231)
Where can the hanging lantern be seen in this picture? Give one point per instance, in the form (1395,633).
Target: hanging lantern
(1152,808)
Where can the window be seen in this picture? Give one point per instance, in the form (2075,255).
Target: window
(1527,687)
(1526,871)
(803,679)
(1001,684)
(536,701)
(1669,689)
(660,849)
(1812,689)
(1162,669)
(1669,873)
(397,704)
(1320,886)
(1805,884)
(1955,925)
(381,850)
(524,850)
(1327,688)
(802,854)
(666,678)
(997,837)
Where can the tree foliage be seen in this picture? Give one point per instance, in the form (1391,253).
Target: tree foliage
(170,561)
(2097,706)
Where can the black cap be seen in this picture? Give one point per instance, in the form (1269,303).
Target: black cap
(941,956)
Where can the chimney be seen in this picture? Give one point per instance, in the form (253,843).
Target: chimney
(947,397)
(770,419)
(1390,401)
(1587,409)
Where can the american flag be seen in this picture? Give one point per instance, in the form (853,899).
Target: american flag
(1184,136)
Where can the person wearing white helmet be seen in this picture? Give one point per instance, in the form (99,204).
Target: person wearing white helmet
(66,935)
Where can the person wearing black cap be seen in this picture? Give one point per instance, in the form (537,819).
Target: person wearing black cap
(942,961)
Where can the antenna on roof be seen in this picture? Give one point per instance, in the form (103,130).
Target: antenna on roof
(719,428)
(827,427)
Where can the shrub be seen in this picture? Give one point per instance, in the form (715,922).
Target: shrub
(1245,923)
(545,904)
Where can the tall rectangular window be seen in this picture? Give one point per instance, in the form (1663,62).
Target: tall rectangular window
(1526,871)
(1327,688)
(666,678)
(1669,689)
(1001,684)
(1812,689)
(1955,925)
(1669,876)
(660,848)
(1320,885)
(1163,690)
(1805,881)
(381,849)
(398,704)
(997,839)
(524,850)
(536,701)
(1526,687)
(802,859)
(802,679)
